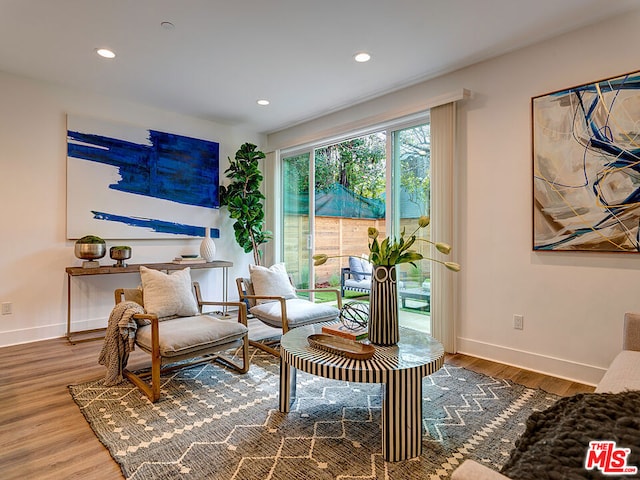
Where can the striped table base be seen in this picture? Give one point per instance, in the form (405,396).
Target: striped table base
(399,367)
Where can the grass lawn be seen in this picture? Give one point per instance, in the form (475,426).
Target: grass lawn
(322,297)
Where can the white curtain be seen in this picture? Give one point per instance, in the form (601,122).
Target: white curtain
(443,281)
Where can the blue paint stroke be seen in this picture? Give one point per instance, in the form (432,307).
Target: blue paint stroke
(175,168)
(625,82)
(157,225)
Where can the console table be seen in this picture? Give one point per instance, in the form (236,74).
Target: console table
(135,268)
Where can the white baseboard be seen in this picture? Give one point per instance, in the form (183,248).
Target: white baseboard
(88,324)
(47,332)
(555,367)
(34,334)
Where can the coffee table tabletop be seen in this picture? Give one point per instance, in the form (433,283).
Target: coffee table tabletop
(399,367)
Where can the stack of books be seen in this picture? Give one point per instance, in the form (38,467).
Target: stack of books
(190,260)
(341,330)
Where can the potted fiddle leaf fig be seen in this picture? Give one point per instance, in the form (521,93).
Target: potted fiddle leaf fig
(244,200)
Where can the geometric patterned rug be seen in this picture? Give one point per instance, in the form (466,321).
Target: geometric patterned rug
(212,423)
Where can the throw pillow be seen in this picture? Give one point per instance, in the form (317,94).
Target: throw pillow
(355,265)
(166,295)
(367,267)
(272,281)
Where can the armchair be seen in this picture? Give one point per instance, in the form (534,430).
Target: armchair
(170,339)
(357,276)
(278,305)
(348,281)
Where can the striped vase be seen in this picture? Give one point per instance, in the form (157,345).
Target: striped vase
(383,306)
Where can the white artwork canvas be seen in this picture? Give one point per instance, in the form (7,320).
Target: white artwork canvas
(127,182)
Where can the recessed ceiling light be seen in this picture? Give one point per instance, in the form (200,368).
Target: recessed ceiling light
(105,52)
(167,25)
(263,102)
(362,57)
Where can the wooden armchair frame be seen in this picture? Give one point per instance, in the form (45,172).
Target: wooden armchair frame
(251,300)
(207,354)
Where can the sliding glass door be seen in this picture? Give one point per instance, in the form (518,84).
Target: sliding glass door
(349,195)
(411,190)
(296,227)
(333,193)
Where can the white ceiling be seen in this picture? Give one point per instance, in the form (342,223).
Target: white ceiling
(223,55)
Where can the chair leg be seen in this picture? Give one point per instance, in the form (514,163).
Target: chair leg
(141,384)
(265,347)
(152,390)
(156,364)
(245,354)
(241,368)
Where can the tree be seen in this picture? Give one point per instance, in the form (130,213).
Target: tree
(359,165)
(356,164)
(415,163)
(244,200)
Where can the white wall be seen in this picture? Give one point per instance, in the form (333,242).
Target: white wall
(573,303)
(34,251)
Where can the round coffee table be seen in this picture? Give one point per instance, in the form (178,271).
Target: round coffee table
(400,368)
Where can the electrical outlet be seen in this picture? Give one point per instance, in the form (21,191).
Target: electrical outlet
(7,308)
(518,322)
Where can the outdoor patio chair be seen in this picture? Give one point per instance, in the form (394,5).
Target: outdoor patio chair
(272,299)
(357,276)
(173,334)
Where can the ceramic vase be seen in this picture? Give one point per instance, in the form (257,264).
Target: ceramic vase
(207,247)
(383,306)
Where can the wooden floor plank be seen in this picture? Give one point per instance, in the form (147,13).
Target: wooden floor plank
(527,378)
(43,434)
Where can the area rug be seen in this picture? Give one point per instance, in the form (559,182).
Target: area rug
(211,423)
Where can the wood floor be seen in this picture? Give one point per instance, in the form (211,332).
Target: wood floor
(527,378)
(43,435)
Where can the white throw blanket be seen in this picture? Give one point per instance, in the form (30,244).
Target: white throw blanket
(119,341)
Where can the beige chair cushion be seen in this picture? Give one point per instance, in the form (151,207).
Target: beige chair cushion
(183,335)
(167,295)
(299,312)
(272,281)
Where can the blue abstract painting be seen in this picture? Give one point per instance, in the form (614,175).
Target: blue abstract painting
(586,167)
(128,182)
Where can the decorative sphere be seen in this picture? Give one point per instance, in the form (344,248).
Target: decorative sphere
(355,315)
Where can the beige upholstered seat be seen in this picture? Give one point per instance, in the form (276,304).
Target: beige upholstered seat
(281,308)
(199,337)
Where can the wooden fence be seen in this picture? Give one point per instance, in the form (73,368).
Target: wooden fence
(338,236)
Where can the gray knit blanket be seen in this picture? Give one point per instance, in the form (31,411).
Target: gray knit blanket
(119,341)
(556,440)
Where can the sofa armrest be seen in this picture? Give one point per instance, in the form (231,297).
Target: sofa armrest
(471,470)
(631,332)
